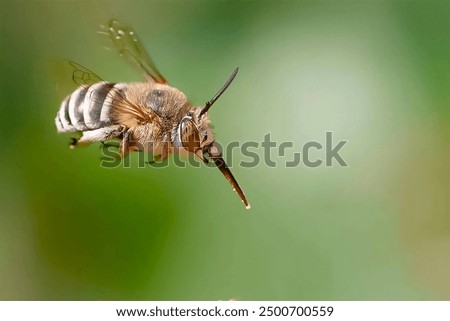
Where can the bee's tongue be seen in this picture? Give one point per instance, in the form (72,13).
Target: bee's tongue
(220,163)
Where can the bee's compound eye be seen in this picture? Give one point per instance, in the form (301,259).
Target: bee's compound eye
(156,99)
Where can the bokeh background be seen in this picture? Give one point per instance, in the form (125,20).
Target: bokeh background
(373,73)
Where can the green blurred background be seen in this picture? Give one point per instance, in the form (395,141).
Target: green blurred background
(375,74)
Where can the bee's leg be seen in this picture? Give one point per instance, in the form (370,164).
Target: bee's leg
(166,151)
(156,159)
(126,145)
(100,134)
(108,143)
(159,158)
(73,142)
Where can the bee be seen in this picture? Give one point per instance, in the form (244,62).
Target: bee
(150,116)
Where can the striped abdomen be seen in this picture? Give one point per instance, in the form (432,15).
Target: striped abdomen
(88,107)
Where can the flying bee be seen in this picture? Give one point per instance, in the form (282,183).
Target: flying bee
(149,116)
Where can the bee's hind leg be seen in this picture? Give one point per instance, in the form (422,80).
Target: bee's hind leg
(96,135)
(100,134)
(73,142)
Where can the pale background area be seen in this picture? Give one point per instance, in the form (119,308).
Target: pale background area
(375,74)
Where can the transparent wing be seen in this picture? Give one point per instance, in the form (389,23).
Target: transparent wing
(130,48)
(83,76)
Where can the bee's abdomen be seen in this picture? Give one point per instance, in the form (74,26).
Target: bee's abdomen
(88,107)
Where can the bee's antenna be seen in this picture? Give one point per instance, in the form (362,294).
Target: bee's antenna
(219,93)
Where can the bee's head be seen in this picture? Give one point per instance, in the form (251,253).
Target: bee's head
(194,131)
(195,135)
